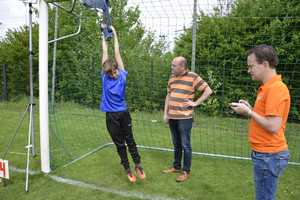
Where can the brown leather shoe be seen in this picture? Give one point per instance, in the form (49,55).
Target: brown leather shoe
(183,176)
(171,170)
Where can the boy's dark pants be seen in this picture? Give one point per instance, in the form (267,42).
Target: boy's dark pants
(120,129)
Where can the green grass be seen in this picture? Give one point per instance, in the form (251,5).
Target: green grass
(210,178)
(82,129)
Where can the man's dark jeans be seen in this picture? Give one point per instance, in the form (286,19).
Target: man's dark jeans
(181,136)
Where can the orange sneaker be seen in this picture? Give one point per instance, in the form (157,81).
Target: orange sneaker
(171,170)
(130,175)
(183,176)
(140,172)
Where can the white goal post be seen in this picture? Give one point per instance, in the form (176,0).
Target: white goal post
(43,79)
(43,87)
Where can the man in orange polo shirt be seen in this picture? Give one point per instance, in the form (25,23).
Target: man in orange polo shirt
(270,152)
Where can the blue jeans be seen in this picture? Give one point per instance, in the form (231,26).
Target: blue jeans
(267,168)
(181,137)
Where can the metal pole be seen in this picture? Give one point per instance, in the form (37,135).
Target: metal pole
(28,153)
(54,61)
(70,11)
(15,133)
(151,85)
(93,84)
(31,80)
(5,83)
(194,37)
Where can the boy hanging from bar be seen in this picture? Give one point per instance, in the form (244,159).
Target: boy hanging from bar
(118,119)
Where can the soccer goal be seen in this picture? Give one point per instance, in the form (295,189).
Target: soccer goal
(213,36)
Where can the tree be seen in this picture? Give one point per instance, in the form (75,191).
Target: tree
(14,50)
(224,38)
(79,58)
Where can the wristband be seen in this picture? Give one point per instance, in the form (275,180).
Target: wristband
(249,113)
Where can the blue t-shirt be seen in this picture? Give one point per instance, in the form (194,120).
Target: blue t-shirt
(113,92)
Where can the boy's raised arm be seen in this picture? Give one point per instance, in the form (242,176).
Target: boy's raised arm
(117,50)
(104,48)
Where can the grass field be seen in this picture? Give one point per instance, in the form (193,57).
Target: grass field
(100,176)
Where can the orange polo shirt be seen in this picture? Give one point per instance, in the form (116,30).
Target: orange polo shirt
(273,99)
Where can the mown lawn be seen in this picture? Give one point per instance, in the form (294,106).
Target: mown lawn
(100,176)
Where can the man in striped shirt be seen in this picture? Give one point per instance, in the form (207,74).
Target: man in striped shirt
(179,112)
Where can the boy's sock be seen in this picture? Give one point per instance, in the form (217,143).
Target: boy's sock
(137,165)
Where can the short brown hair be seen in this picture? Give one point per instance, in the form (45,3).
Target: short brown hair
(264,53)
(109,65)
